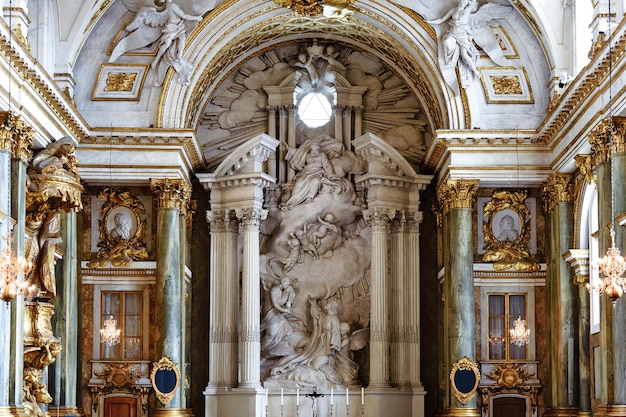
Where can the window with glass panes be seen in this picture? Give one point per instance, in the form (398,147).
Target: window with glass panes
(125,308)
(504,309)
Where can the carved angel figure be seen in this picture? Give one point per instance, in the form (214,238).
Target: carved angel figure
(468,23)
(167,25)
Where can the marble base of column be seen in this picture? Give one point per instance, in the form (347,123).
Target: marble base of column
(53,411)
(12,411)
(610,410)
(584,414)
(461,412)
(561,412)
(172,412)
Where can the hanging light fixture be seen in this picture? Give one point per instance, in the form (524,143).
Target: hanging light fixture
(612,265)
(110,334)
(11,267)
(520,335)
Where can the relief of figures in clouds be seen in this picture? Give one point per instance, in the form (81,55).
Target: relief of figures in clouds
(315,271)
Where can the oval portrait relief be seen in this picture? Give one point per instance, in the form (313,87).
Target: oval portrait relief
(121,223)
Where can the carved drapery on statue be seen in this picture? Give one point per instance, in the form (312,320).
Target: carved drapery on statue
(315,272)
(122,230)
(53,185)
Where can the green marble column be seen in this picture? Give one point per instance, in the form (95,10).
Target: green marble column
(172,195)
(563,310)
(458,198)
(14,155)
(66,322)
(619,311)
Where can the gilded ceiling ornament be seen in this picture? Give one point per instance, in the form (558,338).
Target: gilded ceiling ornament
(506,227)
(122,232)
(506,85)
(554,101)
(302,7)
(597,45)
(121,81)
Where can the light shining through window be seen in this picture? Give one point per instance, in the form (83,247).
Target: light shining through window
(314,110)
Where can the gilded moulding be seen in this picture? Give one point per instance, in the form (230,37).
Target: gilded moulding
(506,246)
(165,378)
(122,231)
(464,377)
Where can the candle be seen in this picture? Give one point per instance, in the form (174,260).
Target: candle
(297,396)
(331,396)
(362,396)
(347,398)
(267,393)
(281,396)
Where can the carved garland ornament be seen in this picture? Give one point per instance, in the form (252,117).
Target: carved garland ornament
(507,232)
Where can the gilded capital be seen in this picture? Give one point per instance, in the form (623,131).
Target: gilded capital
(455,194)
(584,164)
(171,193)
(559,188)
(601,136)
(16,136)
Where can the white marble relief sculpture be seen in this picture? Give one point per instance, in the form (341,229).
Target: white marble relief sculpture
(167,25)
(468,23)
(316,251)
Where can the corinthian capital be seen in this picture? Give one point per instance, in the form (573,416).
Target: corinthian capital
(171,193)
(251,216)
(454,194)
(558,188)
(16,136)
(379,217)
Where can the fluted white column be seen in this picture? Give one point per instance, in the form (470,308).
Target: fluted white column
(379,337)
(398,308)
(224,300)
(250,298)
(358,121)
(412,296)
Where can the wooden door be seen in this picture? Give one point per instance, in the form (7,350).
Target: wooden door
(509,407)
(120,407)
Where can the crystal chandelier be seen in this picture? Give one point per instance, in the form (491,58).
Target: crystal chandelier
(520,335)
(11,267)
(612,266)
(110,334)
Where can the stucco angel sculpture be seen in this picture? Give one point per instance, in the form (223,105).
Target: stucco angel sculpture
(166,23)
(468,23)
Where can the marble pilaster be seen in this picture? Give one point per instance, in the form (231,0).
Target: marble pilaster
(398,293)
(412,295)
